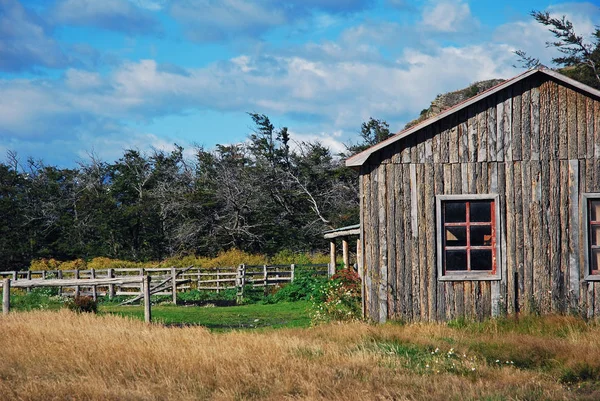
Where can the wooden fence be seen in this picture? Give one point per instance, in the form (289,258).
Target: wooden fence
(128,281)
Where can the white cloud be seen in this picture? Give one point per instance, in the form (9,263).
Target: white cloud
(449,16)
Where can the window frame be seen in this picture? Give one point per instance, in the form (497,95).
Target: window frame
(585,200)
(467,275)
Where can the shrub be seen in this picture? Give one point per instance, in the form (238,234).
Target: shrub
(339,298)
(306,286)
(44,264)
(81,304)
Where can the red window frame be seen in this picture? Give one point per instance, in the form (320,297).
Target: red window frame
(468,224)
(591,225)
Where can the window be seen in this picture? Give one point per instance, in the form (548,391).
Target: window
(591,214)
(467,237)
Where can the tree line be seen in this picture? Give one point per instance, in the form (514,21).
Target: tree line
(263,195)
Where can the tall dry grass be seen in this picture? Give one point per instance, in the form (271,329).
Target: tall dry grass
(62,355)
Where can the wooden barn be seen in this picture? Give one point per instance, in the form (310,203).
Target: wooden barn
(491,207)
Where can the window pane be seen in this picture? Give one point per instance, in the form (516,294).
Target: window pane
(595,235)
(456,260)
(595,262)
(481,235)
(455,212)
(481,211)
(456,236)
(481,259)
(595,210)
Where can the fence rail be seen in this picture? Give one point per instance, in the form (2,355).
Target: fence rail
(128,281)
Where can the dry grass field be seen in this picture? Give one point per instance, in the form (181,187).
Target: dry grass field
(56,355)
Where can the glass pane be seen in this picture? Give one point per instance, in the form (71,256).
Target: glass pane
(595,235)
(456,260)
(481,211)
(595,262)
(481,259)
(595,210)
(481,235)
(456,236)
(455,212)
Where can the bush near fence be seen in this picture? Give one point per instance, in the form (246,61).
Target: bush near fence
(232,257)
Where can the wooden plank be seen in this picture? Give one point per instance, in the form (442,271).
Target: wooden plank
(435,142)
(504,253)
(472,134)
(596,299)
(572,124)
(481,132)
(500,124)
(407,304)
(422,244)
(444,137)
(391,202)
(441,288)
(495,285)
(491,127)
(537,228)
(416,279)
(526,121)
(382,277)
(486,298)
(516,141)
(421,135)
(574,273)
(367,228)
(597,129)
(463,136)
(453,140)
(429,144)
(429,218)
(553,110)
(564,236)
(510,237)
(581,126)
(563,137)
(535,121)
(459,299)
(544,121)
(399,232)
(590,127)
(554,230)
(519,231)
(468,300)
(545,236)
(508,124)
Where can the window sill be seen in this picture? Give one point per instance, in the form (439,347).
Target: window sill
(472,277)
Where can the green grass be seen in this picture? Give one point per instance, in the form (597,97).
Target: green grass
(284,314)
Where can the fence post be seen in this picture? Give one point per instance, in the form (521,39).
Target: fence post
(218,270)
(28,278)
(76,287)
(14,274)
(59,274)
(174,286)
(240,282)
(6,296)
(111,287)
(141,273)
(94,288)
(146,291)
(43,274)
(265,280)
(292,272)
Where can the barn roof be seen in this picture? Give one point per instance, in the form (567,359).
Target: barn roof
(360,158)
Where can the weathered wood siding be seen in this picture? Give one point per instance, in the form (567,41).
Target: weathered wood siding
(537,145)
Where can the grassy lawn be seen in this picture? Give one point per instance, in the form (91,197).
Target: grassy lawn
(284,314)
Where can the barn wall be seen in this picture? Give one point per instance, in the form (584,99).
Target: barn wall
(537,145)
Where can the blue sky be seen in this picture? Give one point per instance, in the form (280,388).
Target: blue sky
(89,76)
